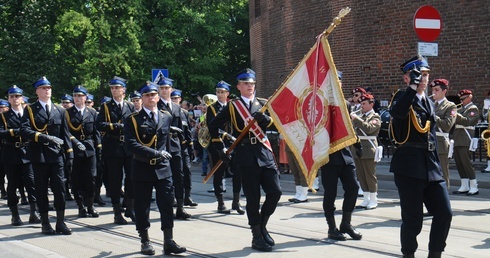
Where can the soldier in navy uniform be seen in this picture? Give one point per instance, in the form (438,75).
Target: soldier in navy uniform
(147,133)
(14,158)
(45,127)
(254,157)
(81,122)
(187,146)
(136,100)
(176,137)
(118,163)
(66,103)
(415,163)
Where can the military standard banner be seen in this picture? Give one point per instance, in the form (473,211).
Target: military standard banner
(309,110)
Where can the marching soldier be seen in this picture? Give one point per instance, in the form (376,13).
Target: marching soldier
(66,103)
(136,100)
(117,159)
(222,92)
(186,147)
(415,163)
(45,127)
(367,127)
(15,158)
(81,122)
(176,136)
(445,119)
(147,133)
(256,163)
(466,119)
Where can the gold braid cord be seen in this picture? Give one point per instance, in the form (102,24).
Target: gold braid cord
(233,118)
(151,142)
(412,119)
(33,123)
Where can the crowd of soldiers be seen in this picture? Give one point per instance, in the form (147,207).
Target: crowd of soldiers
(146,144)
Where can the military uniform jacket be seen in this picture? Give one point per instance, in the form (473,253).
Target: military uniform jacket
(144,140)
(445,118)
(413,158)
(186,130)
(36,122)
(110,123)
(369,124)
(342,157)
(467,117)
(176,114)
(245,153)
(83,129)
(211,112)
(14,147)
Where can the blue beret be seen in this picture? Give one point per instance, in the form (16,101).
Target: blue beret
(80,90)
(176,93)
(339,74)
(67,97)
(4,103)
(165,82)
(105,99)
(223,85)
(118,81)
(41,82)
(247,75)
(418,62)
(149,87)
(14,90)
(135,95)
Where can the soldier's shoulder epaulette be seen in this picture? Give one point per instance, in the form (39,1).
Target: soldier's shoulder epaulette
(262,100)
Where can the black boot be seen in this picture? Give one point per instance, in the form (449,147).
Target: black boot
(235,205)
(91,209)
(60,223)
(258,242)
(82,212)
(45,226)
(34,216)
(333,231)
(15,221)
(181,213)
(146,247)
(169,245)
(434,254)
(118,218)
(221,205)
(187,200)
(265,234)
(98,199)
(129,213)
(346,227)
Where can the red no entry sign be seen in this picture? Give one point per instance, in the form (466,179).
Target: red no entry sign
(427,23)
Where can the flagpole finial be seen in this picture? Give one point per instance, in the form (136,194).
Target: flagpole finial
(336,21)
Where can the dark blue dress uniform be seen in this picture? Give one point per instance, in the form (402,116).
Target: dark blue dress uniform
(145,140)
(175,149)
(84,171)
(49,137)
(117,159)
(16,163)
(255,164)
(418,174)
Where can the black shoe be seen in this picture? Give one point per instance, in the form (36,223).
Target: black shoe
(118,219)
(99,201)
(189,202)
(62,228)
(316,189)
(92,212)
(130,214)
(351,231)
(260,245)
(173,248)
(82,213)
(182,215)
(223,210)
(34,218)
(299,201)
(147,249)
(47,229)
(236,206)
(16,221)
(335,234)
(462,192)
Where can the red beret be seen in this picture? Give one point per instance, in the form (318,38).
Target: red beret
(440,82)
(367,96)
(359,89)
(465,93)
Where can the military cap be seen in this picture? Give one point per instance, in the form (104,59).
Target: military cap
(80,90)
(67,98)
(147,88)
(165,82)
(105,99)
(418,62)
(443,83)
(463,93)
(223,85)
(25,99)
(14,90)
(135,95)
(4,103)
(176,93)
(367,97)
(118,81)
(247,75)
(359,90)
(41,82)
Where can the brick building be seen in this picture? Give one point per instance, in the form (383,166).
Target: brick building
(371,42)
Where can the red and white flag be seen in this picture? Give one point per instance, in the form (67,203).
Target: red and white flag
(309,110)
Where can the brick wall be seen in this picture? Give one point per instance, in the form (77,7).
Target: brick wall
(371,42)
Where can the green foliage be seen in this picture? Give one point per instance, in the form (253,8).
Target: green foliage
(88,42)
